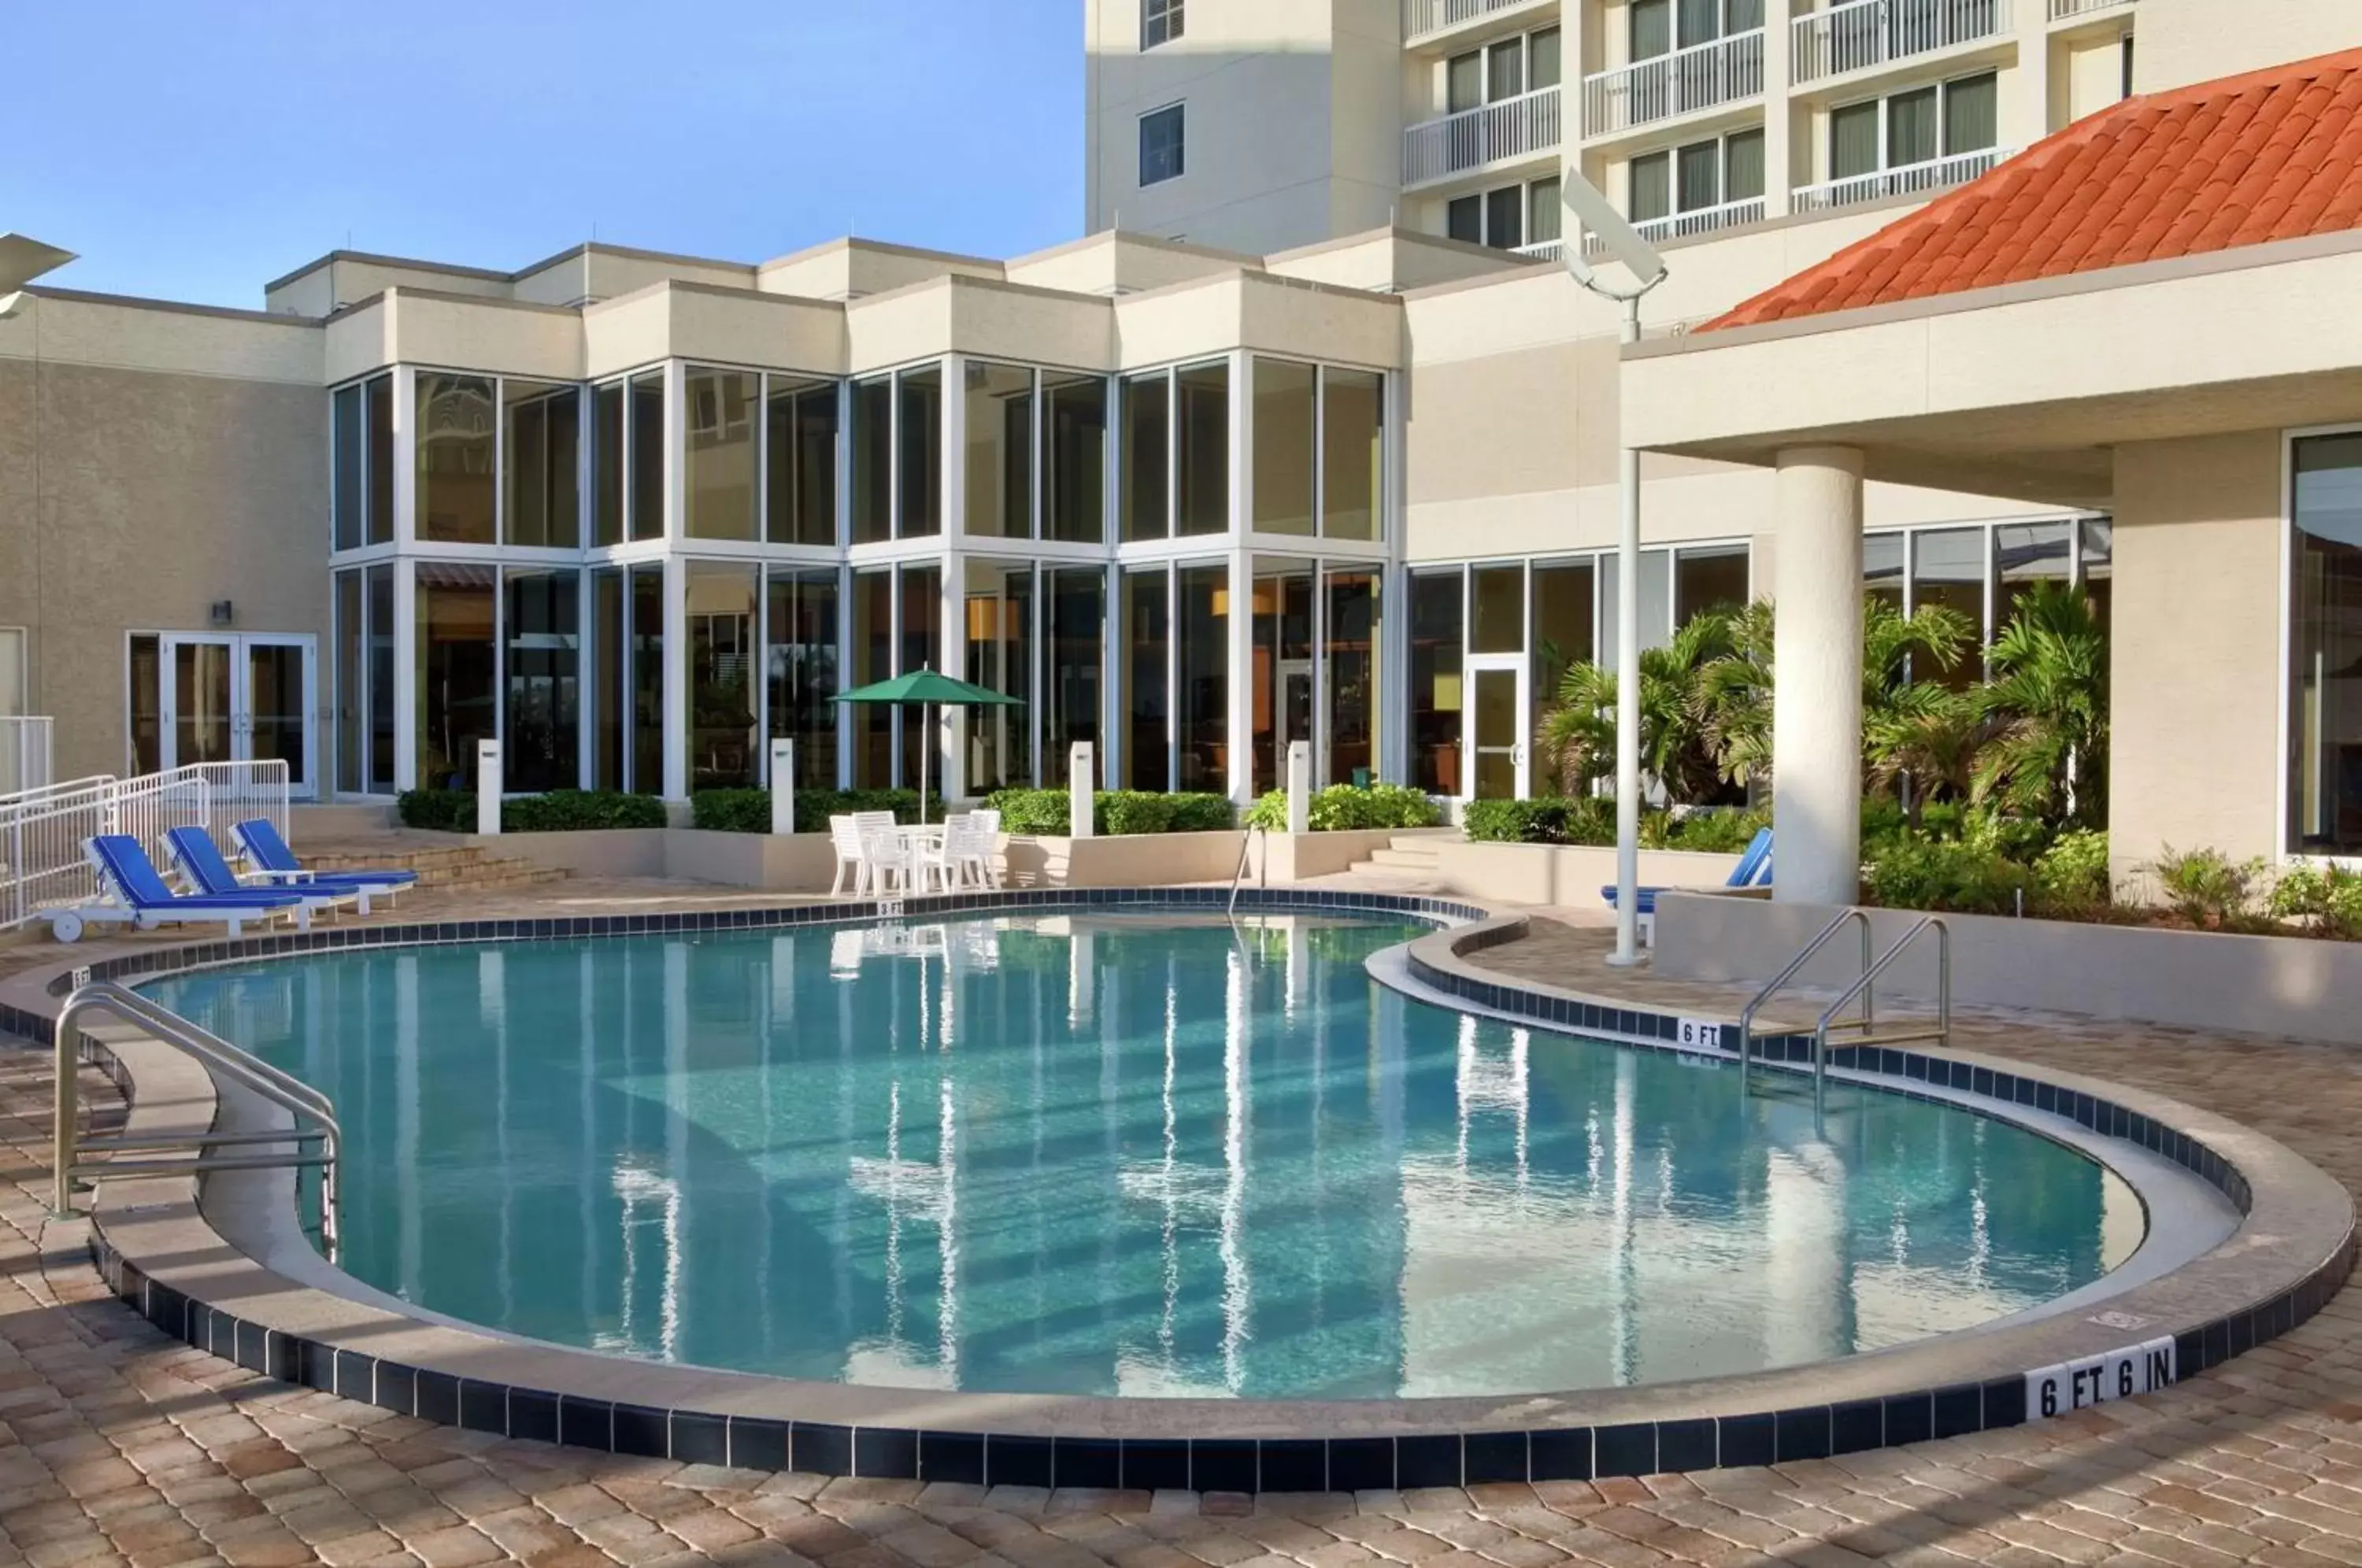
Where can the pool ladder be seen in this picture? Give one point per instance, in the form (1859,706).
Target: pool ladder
(1862,990)
(314,1143)
(1247,844)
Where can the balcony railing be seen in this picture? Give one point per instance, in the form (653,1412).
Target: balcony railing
(1862,33)
(1513,128)
(1699,77)
(2067,10)
(1910,180)
(1541,250)
(1682,226)
(1423,17)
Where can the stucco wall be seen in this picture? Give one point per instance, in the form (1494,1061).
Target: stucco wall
(2198,677)
(2182,41)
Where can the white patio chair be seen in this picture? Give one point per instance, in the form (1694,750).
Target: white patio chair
(939,859)
(982,859)
(844,838)
(887,857)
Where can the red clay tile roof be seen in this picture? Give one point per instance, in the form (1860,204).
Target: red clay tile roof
(2276,154)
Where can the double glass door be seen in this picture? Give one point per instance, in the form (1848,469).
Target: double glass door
(1497,713)
(223,697)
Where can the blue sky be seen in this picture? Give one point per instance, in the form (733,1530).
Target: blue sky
(194,150)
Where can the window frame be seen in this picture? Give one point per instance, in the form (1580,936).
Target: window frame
(1942,88)
(2283,811)
(1180,111)
(1160,23)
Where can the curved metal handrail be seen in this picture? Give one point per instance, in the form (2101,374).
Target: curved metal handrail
(298,1098)
(1246,843)
(1828,933)
(1941,1033)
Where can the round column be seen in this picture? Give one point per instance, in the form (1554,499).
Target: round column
(1816,699)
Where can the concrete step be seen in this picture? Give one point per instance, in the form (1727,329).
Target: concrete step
(443,864)
(308,823)
(1406,859)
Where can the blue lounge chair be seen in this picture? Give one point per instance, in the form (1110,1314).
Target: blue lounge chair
(268,857)
(199,861)
(1753,870)
(141,897)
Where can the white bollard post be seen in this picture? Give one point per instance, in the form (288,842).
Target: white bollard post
(783,785)
(1299,786)
(488,788)
(1079,773)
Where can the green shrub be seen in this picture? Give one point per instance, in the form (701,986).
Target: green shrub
(1115,812)
(1345,807)
(1946,874)
(749,811)
(1514,821)
(2326,898)
(1717,831)
(2073,872)
(436,811)
(2207,888)
(1197,813)
(732,811)
(1032,812)
(559,810)
(1124,812)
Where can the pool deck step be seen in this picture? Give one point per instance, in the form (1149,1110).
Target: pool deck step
(438,865)
(1409,853)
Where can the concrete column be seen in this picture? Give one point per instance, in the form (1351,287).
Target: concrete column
(1299,786)
(1817,701)
(783,784)
(1778,115)
(1080,774)
(489,779)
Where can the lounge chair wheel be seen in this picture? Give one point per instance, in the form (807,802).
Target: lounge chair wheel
(143,923)
(66,927)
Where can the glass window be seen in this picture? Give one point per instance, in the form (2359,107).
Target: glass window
(454,658)
(873,461)
(1948,567)
(1697,22)
(1743,167)
(721,480)
(1436,616)
(1146,401)
(1463,220)
(1353,452)
(607,464)
(923,615)
(541,455)
(919,434)
(455,458)
(541,745)
(1882,567)
(2100,565)
(1162,133)
(647,456)
(2326,647)
(350,645)
(1074,458)
(1283,446)
(344,455)
(800,454)
(999,632)
(147,704)
(377,393)
(1652,187)
(379,679)
(1911,129)
(1463,83)
(1351,655)
(1279,682)
(1972,115)
(610,698)
(1145,675)
(1543,59)
(1741,17)
(1651,24)
(1505,69)
(1563,638)
(1853,140)
(1545,214)
(1076,610)
(1498,593)
(2025,554)
(1698,176)
(1203,394)
(723,622)
(1202,658)
(1160,22)
(801,669)
(1656,598)
(1505,218)
(873,660)
(1000,450)
(648,679)
(1710,578)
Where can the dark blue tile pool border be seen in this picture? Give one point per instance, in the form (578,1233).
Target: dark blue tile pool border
(1351,1463)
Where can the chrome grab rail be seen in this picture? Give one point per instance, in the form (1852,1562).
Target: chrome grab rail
(1262,879)
(1941,1033)
(1828,933)
(299,1099)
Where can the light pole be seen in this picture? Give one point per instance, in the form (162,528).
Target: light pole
(1594,212)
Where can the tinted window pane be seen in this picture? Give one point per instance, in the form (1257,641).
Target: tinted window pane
(1652,187)
(1204,392)
(923,616)
(1652,28)
(542,748)
(607,464)
(1699,175)
(1505,218)
(1543,59)
(1282,447)
(647,466)
(873,461)
(1352,433)
(1711,579)
(1353,641)
(721,416)
(455,458)
(1563,638)
(800,662)
(1075,613)
(1074,460)
(1146,399)
(1853,140)
(999,465)
(454,671)
(873,660)
(1435,695)
(801,455)
(1499,597)
(920,438)
(2325,722)
(1463,83)
(1161,136)
(345,420)
(648,703)
(1948,567)
(541,462)
(1972,116)
(1743,165)
(378,395)
(1464,220)
(1911,129)
(1147,751)
(1202,596)
(722,623)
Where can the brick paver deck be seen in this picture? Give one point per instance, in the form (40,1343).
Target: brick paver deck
(118,1444)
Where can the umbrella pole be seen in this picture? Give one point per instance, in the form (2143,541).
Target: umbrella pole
(926,753)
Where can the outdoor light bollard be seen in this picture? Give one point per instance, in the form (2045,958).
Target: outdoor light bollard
(1299,786)
(783,786)
(1079,790)
(488,788)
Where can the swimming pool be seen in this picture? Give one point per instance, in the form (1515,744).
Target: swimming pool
(1137,1154)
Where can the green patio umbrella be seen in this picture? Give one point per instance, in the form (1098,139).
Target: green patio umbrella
(925,687)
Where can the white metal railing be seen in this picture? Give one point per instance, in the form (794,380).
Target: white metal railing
(43,866)
(1860,33)
(1423,17)
(1909,180)
(1680,225)
(1474,137)
(2065,10)
(1541,250)
(1699,77)
(24,754)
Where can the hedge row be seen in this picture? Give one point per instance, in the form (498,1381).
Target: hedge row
(749,811)
(1590,820)
(559,810)
(1114,812)
(1343,807)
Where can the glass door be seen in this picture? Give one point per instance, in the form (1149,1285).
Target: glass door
(1496,724)
(199,719)
(276,707)
(228,698)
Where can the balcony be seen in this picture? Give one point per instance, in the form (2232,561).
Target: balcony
(2069,10)
(1472,138)
(1702,76)
(1683,226)
(1910,180)
(1863,33)
(1541,250)
(1423,17)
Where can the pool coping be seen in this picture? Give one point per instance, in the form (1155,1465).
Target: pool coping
(2293,1248)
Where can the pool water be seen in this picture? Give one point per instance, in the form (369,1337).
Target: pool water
(1138,1154)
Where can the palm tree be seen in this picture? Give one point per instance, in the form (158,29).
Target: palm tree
(1578,736)
(2048,708)
(1932,733)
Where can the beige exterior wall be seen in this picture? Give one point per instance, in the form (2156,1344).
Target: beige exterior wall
(2200,677)
(2182,41)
